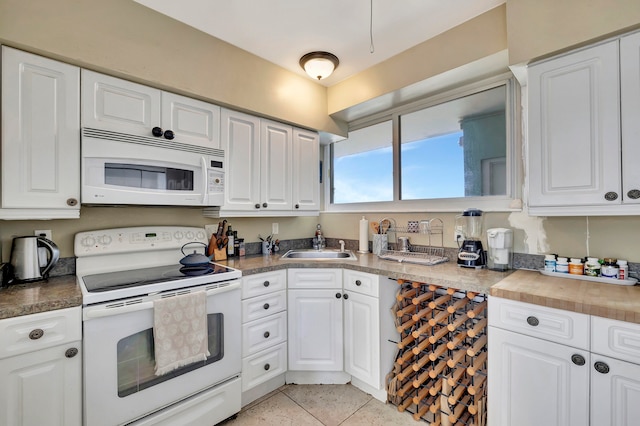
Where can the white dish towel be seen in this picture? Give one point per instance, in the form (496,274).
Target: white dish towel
(180,331)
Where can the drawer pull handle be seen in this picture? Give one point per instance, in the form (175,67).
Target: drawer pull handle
(578,359)
(266,306)
(338,295)
(634,194)
(533,321)
(346,296)
(266,334)
(358,282)
(611,196)
(267,367)
(601,367)
(266,283)
(36,334)
(71,352)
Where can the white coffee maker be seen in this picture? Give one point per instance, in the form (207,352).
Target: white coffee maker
(500,252)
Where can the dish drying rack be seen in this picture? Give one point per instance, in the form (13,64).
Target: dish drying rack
(423,255)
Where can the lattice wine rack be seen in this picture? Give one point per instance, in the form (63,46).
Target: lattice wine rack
(440,371)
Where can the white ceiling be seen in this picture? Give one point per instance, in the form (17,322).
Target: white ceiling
(281,31)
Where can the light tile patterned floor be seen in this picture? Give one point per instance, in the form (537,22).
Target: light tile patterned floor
(320,405)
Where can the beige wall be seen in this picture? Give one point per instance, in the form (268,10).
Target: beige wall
(538,28)
(126,39)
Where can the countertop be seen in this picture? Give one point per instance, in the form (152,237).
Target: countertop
(618,302)
(41,296)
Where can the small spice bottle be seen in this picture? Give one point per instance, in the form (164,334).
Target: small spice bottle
(610,268)
(623,273)
(562,265)
(592,267)
(550,262)
(241,249)
(576,267)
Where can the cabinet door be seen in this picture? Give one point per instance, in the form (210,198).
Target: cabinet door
(41,388)
(362,337)
(275,166)
(306,170)
(40,134)
(574,123)
(315,330)
(630,104)
(533,382)
(240,138)
(193,122)
(111,103)
(615,392)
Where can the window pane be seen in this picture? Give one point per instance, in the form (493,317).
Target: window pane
(363,166)
(455,149)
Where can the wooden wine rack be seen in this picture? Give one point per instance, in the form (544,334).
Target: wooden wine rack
(440,370)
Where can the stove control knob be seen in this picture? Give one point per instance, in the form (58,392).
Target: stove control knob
(178,235)
(104,240)
(189,235)
(201,236)
(88,241)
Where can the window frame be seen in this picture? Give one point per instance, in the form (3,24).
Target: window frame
(509,202)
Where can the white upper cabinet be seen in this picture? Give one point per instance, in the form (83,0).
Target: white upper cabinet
(110,103)
(275,165)
(306,170)
(583,131)
(40,137)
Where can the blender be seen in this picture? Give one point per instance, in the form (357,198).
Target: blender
(469,227)
(500,254)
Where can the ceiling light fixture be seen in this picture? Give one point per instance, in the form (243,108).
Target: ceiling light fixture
(319,65)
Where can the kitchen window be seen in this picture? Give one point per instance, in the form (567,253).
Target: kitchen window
(441,154)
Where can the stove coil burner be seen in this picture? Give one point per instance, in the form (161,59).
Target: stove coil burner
(194,271)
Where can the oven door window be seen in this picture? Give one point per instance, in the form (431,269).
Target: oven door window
(136,359)
(148,177)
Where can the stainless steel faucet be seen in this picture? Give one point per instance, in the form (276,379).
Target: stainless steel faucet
(318,241)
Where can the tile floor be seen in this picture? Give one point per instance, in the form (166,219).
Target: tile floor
(318,405)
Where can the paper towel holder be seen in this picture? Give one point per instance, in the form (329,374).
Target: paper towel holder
(363,241)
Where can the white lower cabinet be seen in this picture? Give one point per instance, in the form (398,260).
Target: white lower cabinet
(535,381)
(41,369)
(264,334)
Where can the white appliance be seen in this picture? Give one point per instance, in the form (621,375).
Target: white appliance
(121,272)
(119,168)
(500,253)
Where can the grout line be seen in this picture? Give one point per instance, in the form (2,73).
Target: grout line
(305,410)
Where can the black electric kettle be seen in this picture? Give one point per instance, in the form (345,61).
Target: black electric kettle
(24,261)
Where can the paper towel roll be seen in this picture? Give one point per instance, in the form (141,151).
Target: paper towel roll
(364,236)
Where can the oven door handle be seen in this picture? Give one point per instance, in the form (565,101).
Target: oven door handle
(101,312)
(205,179)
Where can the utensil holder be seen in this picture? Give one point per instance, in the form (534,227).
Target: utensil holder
(267,248)
(380,243)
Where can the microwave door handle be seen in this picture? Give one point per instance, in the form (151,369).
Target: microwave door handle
(205,176)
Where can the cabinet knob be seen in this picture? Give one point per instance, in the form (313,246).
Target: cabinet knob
(71,352)
(257,206)
(338,295)
(266,334)
(611,196)
(267,367)
(358,282)
(157,132)
(168,134)
(266,283)
(72,202)
(36,334)
(346,296)
(634,194)
(601,367)
(266,306)
(297,206)
(533,321)
(578,359)
(264,204)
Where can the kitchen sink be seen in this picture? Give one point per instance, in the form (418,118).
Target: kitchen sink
(313,254)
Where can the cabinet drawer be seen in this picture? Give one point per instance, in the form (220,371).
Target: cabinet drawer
(28,333)
(315,278)
(361,282)
(266,332)
(555,325)
(267,282)
(265,365)
(262,306)
(617,339)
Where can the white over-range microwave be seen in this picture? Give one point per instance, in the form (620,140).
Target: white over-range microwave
(119,168)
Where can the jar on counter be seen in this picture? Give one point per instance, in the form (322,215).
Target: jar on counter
(623,273)
(592,267)
(241,249)
(610,268)
(550,262)
(562,265)
(576,266)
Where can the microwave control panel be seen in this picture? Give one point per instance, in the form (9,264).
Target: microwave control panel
(216,182)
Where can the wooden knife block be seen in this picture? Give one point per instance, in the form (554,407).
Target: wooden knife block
(220,253)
